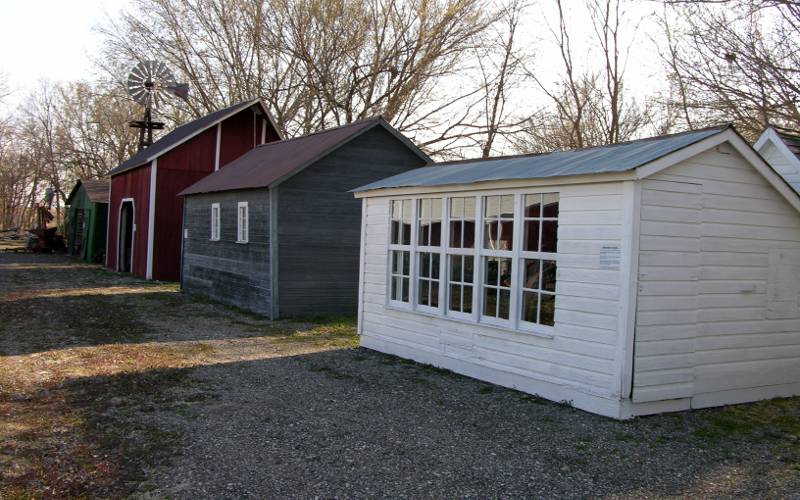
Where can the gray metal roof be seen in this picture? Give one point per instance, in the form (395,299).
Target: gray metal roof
(602,159)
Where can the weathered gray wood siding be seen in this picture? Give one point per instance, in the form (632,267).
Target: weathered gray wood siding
(319,224)
(226,271)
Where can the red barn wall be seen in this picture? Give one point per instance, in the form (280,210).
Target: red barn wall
(177,169)
(131,184)
(237,136)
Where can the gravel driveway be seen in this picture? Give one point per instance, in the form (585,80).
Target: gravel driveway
(140,390)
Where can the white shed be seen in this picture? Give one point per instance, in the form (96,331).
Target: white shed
(781,150)
(656,275)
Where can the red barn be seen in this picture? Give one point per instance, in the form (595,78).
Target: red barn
(144,223)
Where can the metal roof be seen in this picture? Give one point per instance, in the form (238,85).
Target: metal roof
(184,133)
(602,159)
(269,163)
(97,190)
(792,142)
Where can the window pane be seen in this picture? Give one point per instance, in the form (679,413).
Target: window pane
(550,205)
(532,273)
(490,233)
(492,271)
(455,268)
(533,205)
(397,267)
(395,232)
(423,292)
(434,266)
(425,208)
(424,265)
(405,290)
(548,312)
(505,272)
(406,262)
(505,304)
(549,275)
(455,297)
(506,238)
(456,208)
(396,288)
(455,233)
(531,236)
(469,234)
(424,232)
(469,264)
(406,233)
(549,236)
(436,209)
(507,207)
(467,299)
(490,302)
(469,208)
(492,206)
(434,294)
(397,207)
(435,233)
(530,303)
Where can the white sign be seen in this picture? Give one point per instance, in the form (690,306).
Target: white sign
(609,257)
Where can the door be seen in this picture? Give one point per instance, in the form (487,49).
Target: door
(126,230)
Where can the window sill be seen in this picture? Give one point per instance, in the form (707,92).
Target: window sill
(242,242)
(469,323)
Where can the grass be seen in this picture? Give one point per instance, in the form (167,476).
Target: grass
(774,419)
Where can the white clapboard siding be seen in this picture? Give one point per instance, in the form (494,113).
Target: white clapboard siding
(577,363)
(667,298)
(745,341)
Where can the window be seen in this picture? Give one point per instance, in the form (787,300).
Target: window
(461,256)
(508,278)
(540,220)
(242,224)
(400,245)
(215,222)
(429,242)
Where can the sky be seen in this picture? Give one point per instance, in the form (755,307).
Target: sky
(55,40)
(49,39)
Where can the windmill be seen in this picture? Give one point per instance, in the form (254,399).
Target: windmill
(148,84)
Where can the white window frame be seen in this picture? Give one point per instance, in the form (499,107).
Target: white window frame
(462,252)
(478,253)
(535,255)
(418,250)
(402,248)
(215,221)
(242,223)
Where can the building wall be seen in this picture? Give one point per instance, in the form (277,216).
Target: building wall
(718,316)
(783,165)
(580,363)
(238,136)
(131,184)
(177,169)
(233,273)
(319,224)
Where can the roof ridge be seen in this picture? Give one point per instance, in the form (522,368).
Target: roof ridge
(632,141)
(323,131)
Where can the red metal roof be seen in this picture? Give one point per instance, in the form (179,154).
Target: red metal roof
(269,163)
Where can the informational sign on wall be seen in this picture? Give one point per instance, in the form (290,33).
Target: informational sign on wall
(609,257)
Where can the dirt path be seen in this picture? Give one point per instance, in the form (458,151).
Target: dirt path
(111,386)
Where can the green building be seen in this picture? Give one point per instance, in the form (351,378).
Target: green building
(87,215)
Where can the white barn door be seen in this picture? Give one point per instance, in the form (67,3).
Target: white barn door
(669,274)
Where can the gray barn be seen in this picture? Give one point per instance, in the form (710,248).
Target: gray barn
(277,232)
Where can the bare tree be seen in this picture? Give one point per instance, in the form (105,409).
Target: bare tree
(735,62)
(317,63)
(590,106)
